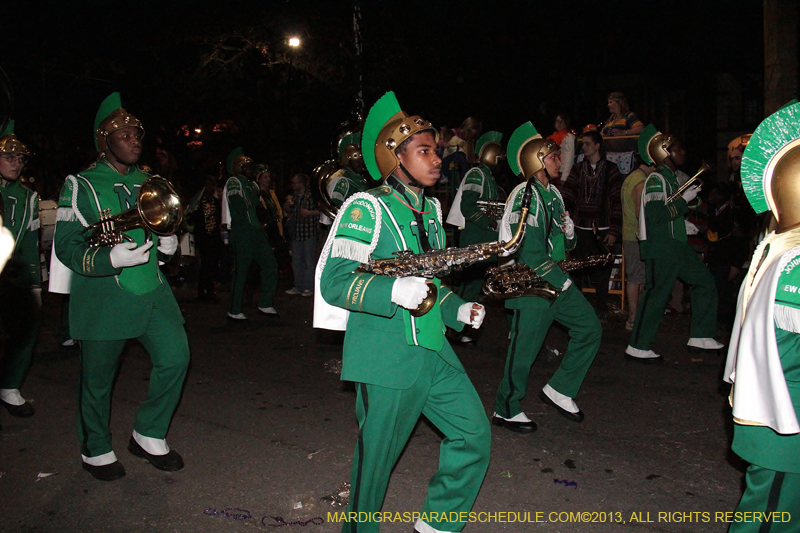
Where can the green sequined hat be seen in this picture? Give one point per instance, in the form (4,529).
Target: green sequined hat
(518,139)
(774,134)
(111,116)
(489,136)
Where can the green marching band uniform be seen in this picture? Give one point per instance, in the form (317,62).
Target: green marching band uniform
(248,238)
(478,185)
(402,365)
(764,354)
(544,244)
(110,305)
(20,282)
(668,256)
(346,181)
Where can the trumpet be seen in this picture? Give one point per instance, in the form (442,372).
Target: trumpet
(437,262)
(157,210)
(690,182)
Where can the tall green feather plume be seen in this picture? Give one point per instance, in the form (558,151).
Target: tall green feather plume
(521,135)
(9,129)
(236,152)
(385,108)
(644,139)
(489,136)
(109,105)
(775,132)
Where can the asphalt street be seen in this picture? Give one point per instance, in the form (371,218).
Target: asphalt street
(267,430)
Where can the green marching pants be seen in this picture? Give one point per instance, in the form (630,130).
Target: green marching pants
(253,246)
(678,262)
(528,330)
(769,492)
(386,419)
(19,320)
(168,348)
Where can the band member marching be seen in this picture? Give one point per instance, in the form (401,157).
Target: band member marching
(248,238)
(477,186)
(118,293)
(764,358)
(349,179)
(549,234)
(666,252)
(20,282)
(402,364)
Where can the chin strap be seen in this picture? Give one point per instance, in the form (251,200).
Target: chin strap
(412,180)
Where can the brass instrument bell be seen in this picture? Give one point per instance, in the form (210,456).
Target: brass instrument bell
(158,210)
(690,182)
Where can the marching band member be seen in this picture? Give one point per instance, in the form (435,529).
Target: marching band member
(248,238)
(402,364)
(549,234)
(118,293)
(478,185)
(349,179)
(20,282)
(667,255)
(763,359)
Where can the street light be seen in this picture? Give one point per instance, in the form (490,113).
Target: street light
(294,42)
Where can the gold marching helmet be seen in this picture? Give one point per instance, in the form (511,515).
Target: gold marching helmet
(237,162)
(386,128)
(112,117)
(527,149)
(9,144)
(490,151)
(654,145)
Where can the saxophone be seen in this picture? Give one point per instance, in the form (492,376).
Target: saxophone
(521,280)
(406,263)
(493,210)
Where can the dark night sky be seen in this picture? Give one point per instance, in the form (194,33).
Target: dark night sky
(498,61)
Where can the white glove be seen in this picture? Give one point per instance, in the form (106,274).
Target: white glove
(691,229)
(691,193)
(127,254)
(37,295)
(568,228)
(409,292)
(566,285)
(167,245)
(465,314)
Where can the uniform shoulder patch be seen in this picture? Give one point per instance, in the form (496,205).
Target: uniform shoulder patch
(788,292)
(357,221)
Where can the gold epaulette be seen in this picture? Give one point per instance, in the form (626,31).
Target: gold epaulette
(383,190)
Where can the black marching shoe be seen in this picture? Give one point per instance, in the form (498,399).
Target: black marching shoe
(519,427)
(108,472)
(169,462)
(20,411)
